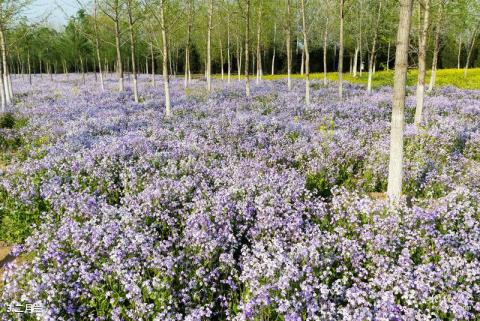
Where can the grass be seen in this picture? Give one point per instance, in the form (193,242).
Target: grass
(445,77)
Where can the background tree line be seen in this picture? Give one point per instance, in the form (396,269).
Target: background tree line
(452,28)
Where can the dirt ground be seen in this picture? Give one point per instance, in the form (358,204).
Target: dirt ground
(5,258)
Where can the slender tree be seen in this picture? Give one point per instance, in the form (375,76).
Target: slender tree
(470,50)
(395,169)
(325,48)
(97,45)
(187,71)
(259,30)
(422,51)
(209,46)
(340,54)
(112,9)
(371,63)
(288,40)
(274,47)
(307,54)
(436,47)
(131,23)
(247,37)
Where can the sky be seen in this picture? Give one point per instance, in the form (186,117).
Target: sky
(55,11)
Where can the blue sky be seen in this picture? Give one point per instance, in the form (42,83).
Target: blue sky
(57,11)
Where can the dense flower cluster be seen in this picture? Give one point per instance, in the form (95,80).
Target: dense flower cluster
(245,209)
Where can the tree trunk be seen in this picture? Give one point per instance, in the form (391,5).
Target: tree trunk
(351,64)
(274,40)
(97,45)
(221,61)
(81,66)
(247,36)
(340,54)
(94,69)
(436,50)
(302,63)
(371,64)
(187,56)
(472,45)
(289,45)
(325,41)
(153,65)
(3,45)
(259,55)
(229,56)
(388,56)
(119,54)
(395,169)
(307,55)
(459,53)
(40,67)
(3,97)
(29,68)
(239,59)
(22,66)
(355,62)
(360,42)
(171,62)
(422,52)
(166,80)
(209,47)
(132,49)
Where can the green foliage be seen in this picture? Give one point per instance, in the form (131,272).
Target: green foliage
(17,218)
(318,184)
(10,140)
(7,120)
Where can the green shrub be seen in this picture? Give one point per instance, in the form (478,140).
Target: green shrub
(318,184)
(7,120)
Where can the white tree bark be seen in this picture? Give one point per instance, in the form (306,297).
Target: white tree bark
(239,59)
(459,53)
(209,47)
(229,56)
(153,65)
(166,79)
(3,47)
(371,64)
(221,60)
(29,68)
(395,169)
(340,54)
(97,45)
(188,45)
(422,52)
(288,40)
(355,62)
(132,49)
(388,56)
(307,54)
(259,56)
(3,98)
(274,45)
(119,53)
(247,36)
(436,50)
(472,45)
(302,63)
(81,67)
(325,44)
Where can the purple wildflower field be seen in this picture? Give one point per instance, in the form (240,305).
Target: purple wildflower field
(243,209)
